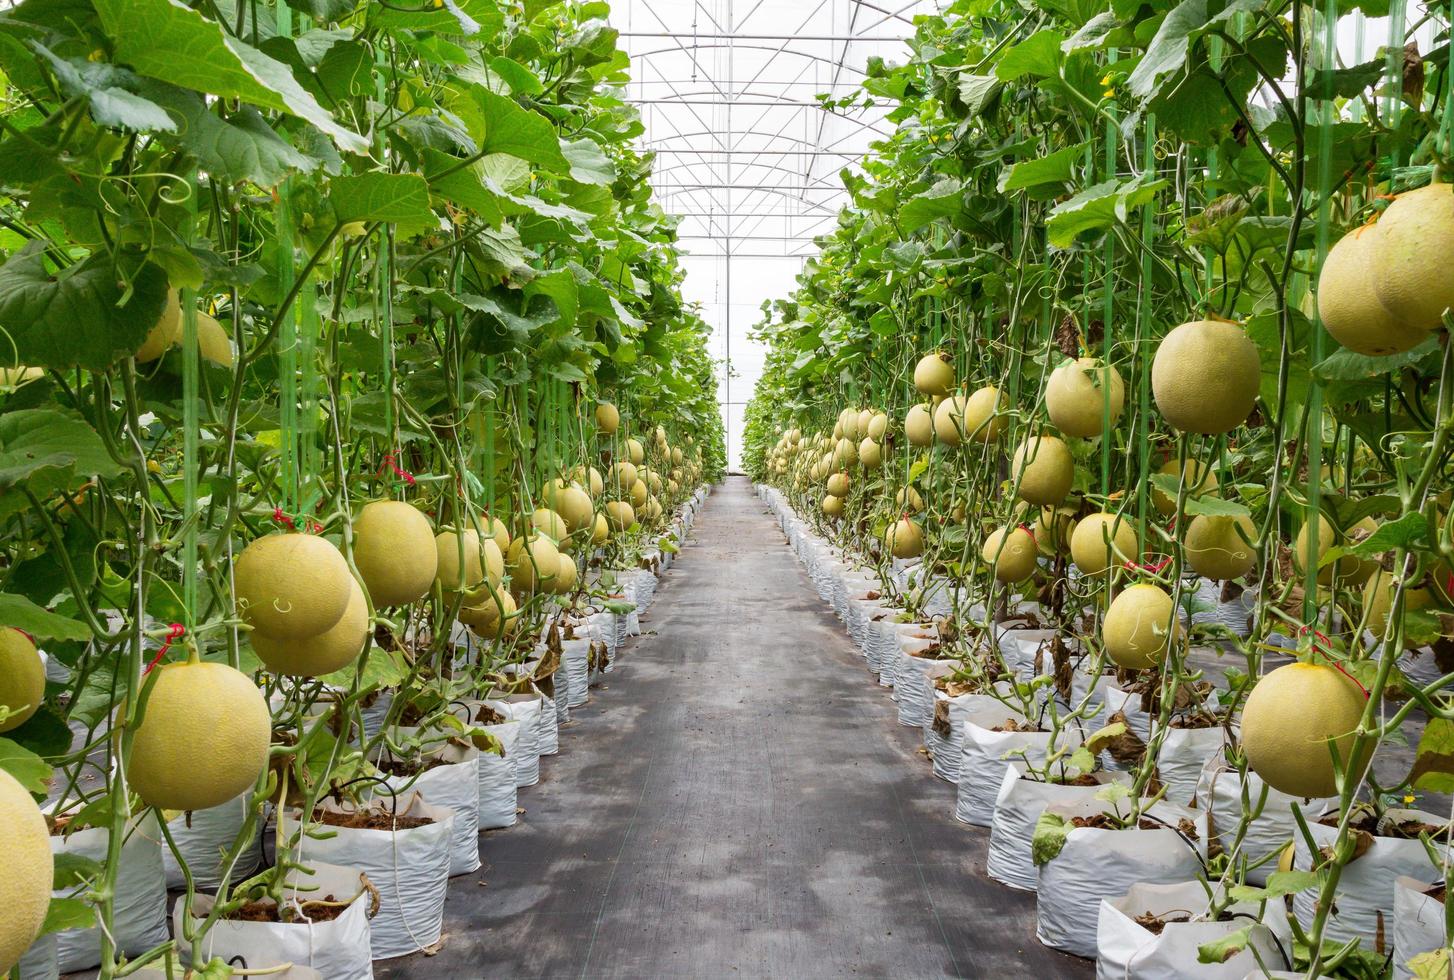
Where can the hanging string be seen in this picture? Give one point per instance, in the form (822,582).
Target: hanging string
(1322,645)
(174,632)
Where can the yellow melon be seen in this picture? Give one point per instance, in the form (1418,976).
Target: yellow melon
(832,505)
(1378,600)
(1200,479)
(334,649)
(600,530)
(620,515)
(1220,547)
(1010,552)
(566,576)
(491,616)
(870,456)
(608,419)
(1205,376)
(1348,305)
(904,539)
(1101,541)
(534,564)
(625,474)
(639,494)
(1053,528)
(838,484)
(635,452)
(460,563)
(212,341)
(1044,468)
(496,531)
(1079,394)
(1139,627)
(878,426)
(22,678)
(203,737)
(1415,235)
(549,523)
(1295,719)
(25,887)
(393,548)
(166,333)
(919,426)
(291,586)
(1351,570)
(908,500)
(934,374)
(983,418)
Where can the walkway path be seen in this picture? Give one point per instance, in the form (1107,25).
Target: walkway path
(739,801)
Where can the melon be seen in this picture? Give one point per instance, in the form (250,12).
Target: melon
(1044,468)
(496,530)
(1200,479)
(547,522)
(608,419)
(212,341)
(934,374)
(625,474)
(676,456)
(590,480)
(1351,570)
(22,678)
(639,494)
(393,549)
(203,737)
(919,426)
(1205,376)
(291,586)
(334,649)
(1348,305)
(1219,547)
(870,456)
(574,506)
(25,887)
(600,530)
(566,576)
(1053,528)
(534,564)
(635,451)
(620,515)
(845,453)
(983,421)
(1102,541)
(878,426)
(908,501)
(1415,235)
(491,616)
(832,505)
(838,484)
(1079,393)
(1378,600)
(1295,719)
(460,572)
(1139,627)
(904,539)
(949,423)
(166,333)
(850,424)
(1010,552)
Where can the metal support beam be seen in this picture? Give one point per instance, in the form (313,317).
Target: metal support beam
(860,38)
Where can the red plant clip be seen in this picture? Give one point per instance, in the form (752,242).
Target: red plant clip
(1152,567)
(1325,650)
(283,519)
(174,632)
(391,462)
(1030,531)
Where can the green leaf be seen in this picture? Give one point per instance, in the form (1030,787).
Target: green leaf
(170,41)
(72,869)
(79,317)
(1168,49)
(519,132)
(588,162)
(1105,735)
(1408,531)
(45,733)
(977,91)
(1038,55)
(22,614)
(1347,365)
(44,441)
(68,913)
(398,199)
(237,146)
(940,201)
(1099,207)
(1222,949)
(1433,769)
(29,769)
(1214,506)
(1055,169)
(108,91)
(1279,883)
(1048,841)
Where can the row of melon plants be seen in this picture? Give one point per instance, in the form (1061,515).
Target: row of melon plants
(349,408)
(1114,416)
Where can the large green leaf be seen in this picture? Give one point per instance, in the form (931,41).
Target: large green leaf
(1038,55)
(79,317)
(1098,207)
(944,199)
(47,451)
(517,131)
(399,199)
(168,40)
(1054,169)
(237,146)
(22,614)
(29,769)
(110,92)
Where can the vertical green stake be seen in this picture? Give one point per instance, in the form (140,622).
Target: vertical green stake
(1108,297)
(1143,318)
(191,428)
(287,330)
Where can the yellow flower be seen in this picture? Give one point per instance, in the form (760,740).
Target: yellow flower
(1408,797)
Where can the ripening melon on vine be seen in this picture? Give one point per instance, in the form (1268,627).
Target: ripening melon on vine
(676,456)
(832,505)
(639,494)
(635,452)
(573,505)
(25,887)
(620,515)
(878,427)
(203,737)
(464,560)
(908,501)
(653,481)
(534,563)
(333,649)
(838,484)
(870,456)
(566,576)
(845,453)
(865,419)
(1053,528)
(1140,626)
(1351,570)
(291,585)
(1349,306)
(22,678)
(1205,376)
(1102,541)
(653,509)
(1043,470)
(1296,718)
(919,426)
(1219,547)
(904,539)
(1415,236)
(1080,394)
(949,420)
(1200,480)
(934,374)
(600,530)
(393,548)
(608,419)
(625,474)
(490,616)
(1378,600)
(1011,553)
(850,424)
(973,419)
(166,333)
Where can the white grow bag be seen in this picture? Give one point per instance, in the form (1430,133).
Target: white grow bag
(204,838)
(455,786)
(409,867)
(1096,864)
(338,948)
(1365,894)
(915,688)
(1017,809)
(140,911)
(1418,924)
(1220,793)
(499,796)
(948,750)
(575,659)
(1185,753)
(1127,950)
(525,709)
(985,752)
